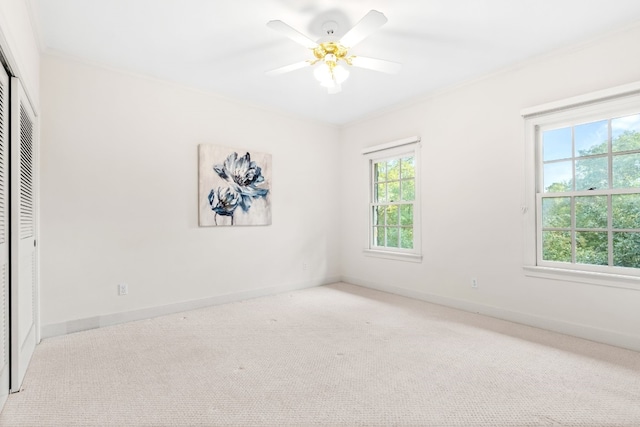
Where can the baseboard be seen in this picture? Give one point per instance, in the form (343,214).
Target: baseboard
(604,336)
(64,328)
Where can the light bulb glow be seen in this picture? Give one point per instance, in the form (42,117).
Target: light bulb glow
(326,75)
(340,74)
(323,73)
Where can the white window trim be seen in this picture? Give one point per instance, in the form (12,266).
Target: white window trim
(394,148)
(615,101)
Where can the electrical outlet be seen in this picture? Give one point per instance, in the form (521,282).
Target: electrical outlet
(304,266)
(123,289)
(474,283)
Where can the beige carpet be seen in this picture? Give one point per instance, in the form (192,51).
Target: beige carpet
(336,355)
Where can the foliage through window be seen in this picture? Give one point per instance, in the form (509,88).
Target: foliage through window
(589,193)
(393,207)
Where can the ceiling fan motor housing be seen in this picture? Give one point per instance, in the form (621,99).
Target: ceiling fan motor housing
(335,49)
(330,27)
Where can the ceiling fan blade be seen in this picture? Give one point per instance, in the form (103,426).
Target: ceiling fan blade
(367,25)
(287,68)
(292,33)
(376,64)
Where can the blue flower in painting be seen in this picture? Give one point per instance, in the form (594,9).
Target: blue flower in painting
(245,176)
(224,201)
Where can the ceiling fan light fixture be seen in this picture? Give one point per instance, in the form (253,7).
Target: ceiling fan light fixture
(332,53)
(331,76)
(323,73)
(334,89)
(330,58)
(340,74)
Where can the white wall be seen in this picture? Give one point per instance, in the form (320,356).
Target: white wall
(119,186)
(19,44)
(119,197)
(472,192)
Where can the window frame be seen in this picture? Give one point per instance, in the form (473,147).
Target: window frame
(407,147)
(609,103)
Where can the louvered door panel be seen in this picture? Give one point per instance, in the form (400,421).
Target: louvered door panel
(23,230)
(4,235)
(26,175)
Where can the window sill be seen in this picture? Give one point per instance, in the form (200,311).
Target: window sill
(398,256)
(589,277)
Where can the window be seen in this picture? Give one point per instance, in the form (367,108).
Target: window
(393,209)
(586,185)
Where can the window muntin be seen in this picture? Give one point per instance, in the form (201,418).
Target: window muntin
(588,195)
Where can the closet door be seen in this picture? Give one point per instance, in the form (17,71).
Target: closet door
(24,295)
(4,235)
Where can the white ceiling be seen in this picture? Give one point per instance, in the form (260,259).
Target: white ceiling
(224,46)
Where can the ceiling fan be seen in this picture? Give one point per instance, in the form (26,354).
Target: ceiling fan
(330,51)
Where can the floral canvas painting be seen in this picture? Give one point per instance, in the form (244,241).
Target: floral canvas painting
(234,186)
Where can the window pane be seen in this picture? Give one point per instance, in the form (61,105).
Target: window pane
(393,169)
(406,238)
(392,215)
(556,212)
(408,190)
(625,249)
(408,167)
(381,193)
(556,144)
(592,138)
(378,236)
(558,177)
(556,246)
(625,132)
(591,212)
(380,171)
(626,211)
(592,247)
(592,174)
(406,215)
(392,237)
(393,191)
(626,171)
(378,215)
